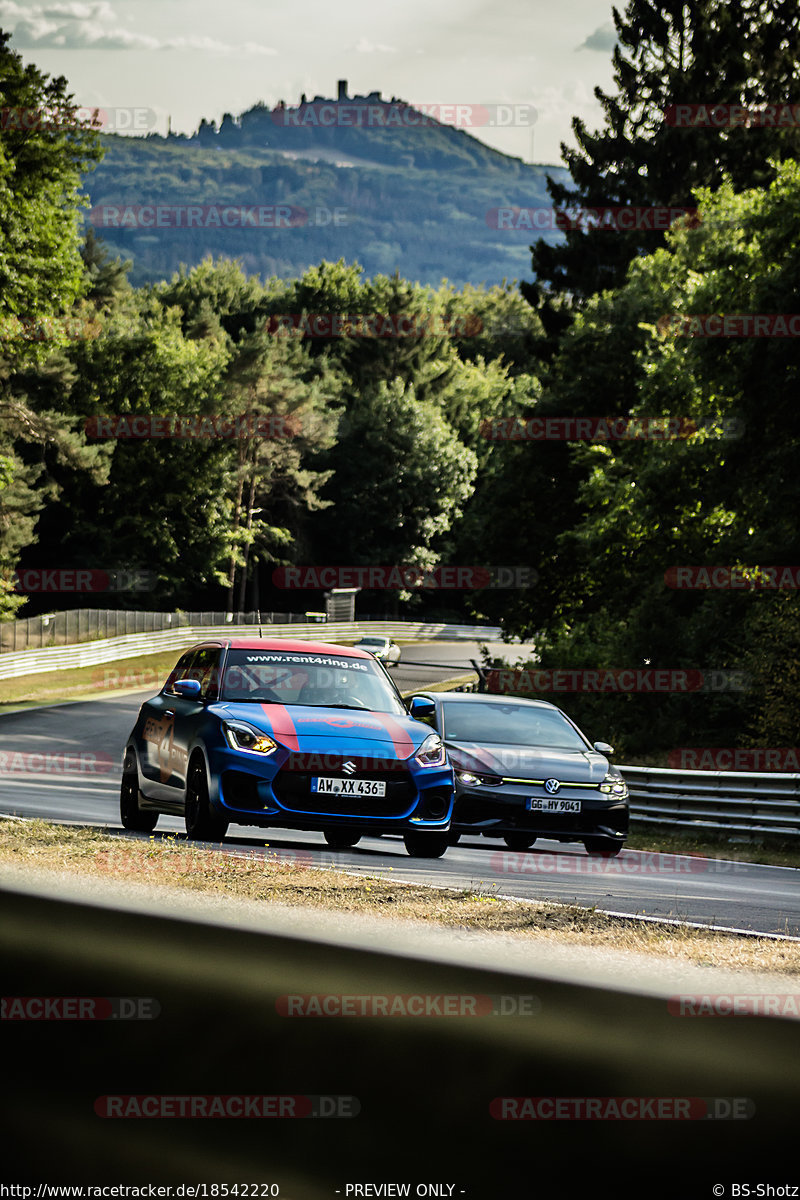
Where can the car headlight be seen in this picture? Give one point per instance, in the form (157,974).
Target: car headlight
(614,785)
(469,777)
(431,752)
(244,737)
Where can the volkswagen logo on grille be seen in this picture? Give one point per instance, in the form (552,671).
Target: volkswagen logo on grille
(349,767)
(551,786)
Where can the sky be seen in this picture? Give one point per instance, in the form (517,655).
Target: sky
(187,59)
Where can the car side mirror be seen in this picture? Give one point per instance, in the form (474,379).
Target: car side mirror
(603,748)
(188,688)
(420,707)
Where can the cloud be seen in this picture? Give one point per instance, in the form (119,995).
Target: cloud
(603,39)
(89,26)
(574,99)
(362,46)
(79,12)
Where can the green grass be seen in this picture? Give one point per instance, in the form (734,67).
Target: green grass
(771,851)
(77,683)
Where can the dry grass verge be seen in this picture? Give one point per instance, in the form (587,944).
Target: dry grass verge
(169,861)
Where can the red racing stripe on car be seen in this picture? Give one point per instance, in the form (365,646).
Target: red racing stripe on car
(282,725)
(401,740)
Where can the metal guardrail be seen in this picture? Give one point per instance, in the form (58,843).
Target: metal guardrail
(68,627)
(91,654)
(715,801)
(74,625)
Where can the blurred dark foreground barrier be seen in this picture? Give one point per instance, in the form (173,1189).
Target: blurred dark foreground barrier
(429,1089)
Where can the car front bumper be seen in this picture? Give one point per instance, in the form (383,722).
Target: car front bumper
(497,811)
(253,792)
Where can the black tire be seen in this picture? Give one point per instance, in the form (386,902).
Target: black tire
(341,839)
(453,838)
(426,845)
(603,846)
(202,823)
(130,814)
(519,841)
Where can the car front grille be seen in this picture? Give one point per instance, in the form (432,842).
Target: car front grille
(292,786)
(474,810)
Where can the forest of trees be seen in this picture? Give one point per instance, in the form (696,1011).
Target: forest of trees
(387,459)
(417,201)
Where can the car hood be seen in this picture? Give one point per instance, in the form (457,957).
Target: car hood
(529,762)
(317,730)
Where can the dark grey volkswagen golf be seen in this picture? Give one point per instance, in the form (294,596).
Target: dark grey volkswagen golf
(524,770)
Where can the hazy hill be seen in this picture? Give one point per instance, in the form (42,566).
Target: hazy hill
(405,197)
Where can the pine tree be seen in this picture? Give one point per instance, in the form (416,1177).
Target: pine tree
(669,52)
(45,149)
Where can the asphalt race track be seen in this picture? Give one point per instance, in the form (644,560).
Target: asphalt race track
(77,780)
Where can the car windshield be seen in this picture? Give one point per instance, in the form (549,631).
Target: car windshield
(321,680)
(508,724)
(372,641)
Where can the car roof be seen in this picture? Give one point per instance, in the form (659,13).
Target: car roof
(290,647)
(486,698)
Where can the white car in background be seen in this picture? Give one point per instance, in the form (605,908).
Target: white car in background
(384,649)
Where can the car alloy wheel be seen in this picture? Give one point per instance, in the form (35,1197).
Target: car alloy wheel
(202,824)
(130,815)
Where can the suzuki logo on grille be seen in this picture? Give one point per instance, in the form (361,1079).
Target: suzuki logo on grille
(551,786)
(349,767)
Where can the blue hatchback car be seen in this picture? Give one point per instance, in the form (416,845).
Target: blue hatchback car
(297,735)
